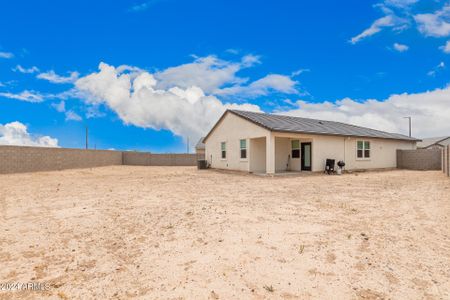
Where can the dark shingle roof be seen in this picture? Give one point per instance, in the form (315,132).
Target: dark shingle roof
(313,126)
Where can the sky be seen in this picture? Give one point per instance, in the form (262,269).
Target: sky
(156,75)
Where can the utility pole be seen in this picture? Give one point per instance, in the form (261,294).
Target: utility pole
(87,137)
(409,118)
(187,146)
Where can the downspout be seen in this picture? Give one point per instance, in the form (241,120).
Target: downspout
(345,139)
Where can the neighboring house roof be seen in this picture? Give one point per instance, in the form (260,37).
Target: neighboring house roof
(200,144)
(282,123)
(439,141)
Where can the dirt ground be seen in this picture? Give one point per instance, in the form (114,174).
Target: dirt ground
(179,233)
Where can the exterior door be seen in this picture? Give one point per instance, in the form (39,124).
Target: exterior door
(306,156)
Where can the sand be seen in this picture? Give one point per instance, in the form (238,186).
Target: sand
(179,233)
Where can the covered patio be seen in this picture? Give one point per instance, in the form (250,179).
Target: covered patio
(280,154)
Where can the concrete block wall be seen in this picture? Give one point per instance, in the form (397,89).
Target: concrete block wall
(420,159)
(446,160)
(15,159)
(18,159)
(150,159)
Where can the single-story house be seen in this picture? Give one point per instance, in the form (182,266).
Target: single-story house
(268,143)
(434,143)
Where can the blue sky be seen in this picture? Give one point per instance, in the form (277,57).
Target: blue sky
(169,68)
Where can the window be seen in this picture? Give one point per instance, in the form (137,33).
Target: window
(223,147)
(243,146)
(363,149)
(295,145)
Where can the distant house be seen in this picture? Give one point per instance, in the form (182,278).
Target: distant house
(267,143)
(200,148)
(434,143)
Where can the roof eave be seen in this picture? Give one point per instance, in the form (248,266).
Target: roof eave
(345,135)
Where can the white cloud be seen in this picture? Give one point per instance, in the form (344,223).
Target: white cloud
(139,100)
(27,96)
(429,110)
(208,73)
(72,116)
(261,87)
(299,72)
(436,69)
(400,3)
(6,55)
(30,70)
(250,60)
(233,51)
(16,133)
(436,24)
(377,26)
(398,16)
(400,47)
(55,78)
(143,6)
(60,107)
(446,47)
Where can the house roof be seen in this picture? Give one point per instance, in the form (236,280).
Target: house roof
(200,144)
(282,123)
(425,143)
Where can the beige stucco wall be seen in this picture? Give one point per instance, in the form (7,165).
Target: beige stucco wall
(258,155)
(233,128)
(282,153)
(383,151)
(230,130)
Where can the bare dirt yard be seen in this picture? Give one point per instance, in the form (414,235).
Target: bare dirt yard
(178,233)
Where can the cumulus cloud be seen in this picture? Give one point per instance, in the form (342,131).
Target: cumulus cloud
(55,78)
(16,133)
(436,24)
(6,55)
(208,73)
(400,47)
(262,87)
(429,110)
(27,96)
(30,70)
(140,99)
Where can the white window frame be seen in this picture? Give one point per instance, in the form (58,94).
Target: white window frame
(364,150)
(246,150)
(221,150)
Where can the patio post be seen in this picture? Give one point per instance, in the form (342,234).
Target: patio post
(270,153)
